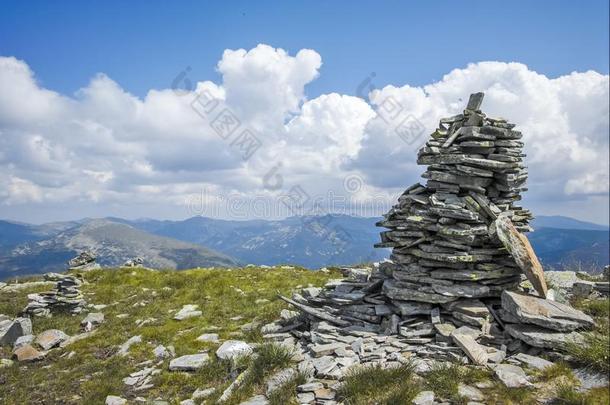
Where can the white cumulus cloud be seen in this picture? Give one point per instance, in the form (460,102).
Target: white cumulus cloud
(104,151)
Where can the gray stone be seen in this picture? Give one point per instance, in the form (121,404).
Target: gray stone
(50,338)
(202,393)
(256,400)
(187,311)
(424,398)
(532,361)
(11,331)
(124,348)
(114,400)
(23,340)
(28,353)
(208,337)
(231,349)
(92,319)
(310,387)
(590,379)
(473,350)
(280,378)
(472,393)
(544,338)
(512,376)
(190,362)
(545,313)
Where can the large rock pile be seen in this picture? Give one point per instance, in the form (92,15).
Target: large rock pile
(65,297)
(457,252)
(439,232)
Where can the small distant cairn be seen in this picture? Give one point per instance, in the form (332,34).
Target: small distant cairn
(65,297)
(135,262)
(85,261)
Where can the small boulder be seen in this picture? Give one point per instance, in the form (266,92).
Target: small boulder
(124,348)
(23,340)
(50,338)
(28,353)
(114,400)
(512,376)
(232,349)
(187,311)
(92,319)
(10,331)
(208,337)
(190,362)
(424,398)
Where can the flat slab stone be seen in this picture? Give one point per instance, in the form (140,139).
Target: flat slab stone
(231,349)
(475,352)
(532,361)
(208,337)
(280,378)
(50,338)
(28,353)
(114,400)
(424,398)
(540,337)
(546,313)
(520,248)
(190,362)
(512,376)
(187,311)
(93,318)
(256,400)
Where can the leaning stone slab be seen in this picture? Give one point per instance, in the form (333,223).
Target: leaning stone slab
(190,362)
(545,313)
(540,337)
(520,248)
(473,350)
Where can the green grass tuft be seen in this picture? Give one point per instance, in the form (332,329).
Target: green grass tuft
(594,352)
(568,395)
(379,385)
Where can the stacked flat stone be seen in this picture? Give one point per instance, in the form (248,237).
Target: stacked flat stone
(65,297)
(439,232)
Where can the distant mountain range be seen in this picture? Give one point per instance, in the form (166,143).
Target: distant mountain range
(312,242)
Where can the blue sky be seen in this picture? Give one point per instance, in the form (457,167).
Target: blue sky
(144,44)
(90,124)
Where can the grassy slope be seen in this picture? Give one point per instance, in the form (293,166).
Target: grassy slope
(92,373)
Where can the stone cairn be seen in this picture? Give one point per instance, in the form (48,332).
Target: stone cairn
(83,262)
(451,289)
(65,297)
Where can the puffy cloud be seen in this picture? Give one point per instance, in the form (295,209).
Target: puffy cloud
(104,151)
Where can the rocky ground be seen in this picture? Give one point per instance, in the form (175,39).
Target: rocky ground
(209,336)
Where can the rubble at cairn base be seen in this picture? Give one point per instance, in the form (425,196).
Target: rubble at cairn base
(84,261)
(65,297)
(450,291)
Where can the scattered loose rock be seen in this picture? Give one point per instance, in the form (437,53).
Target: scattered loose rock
(190,362)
